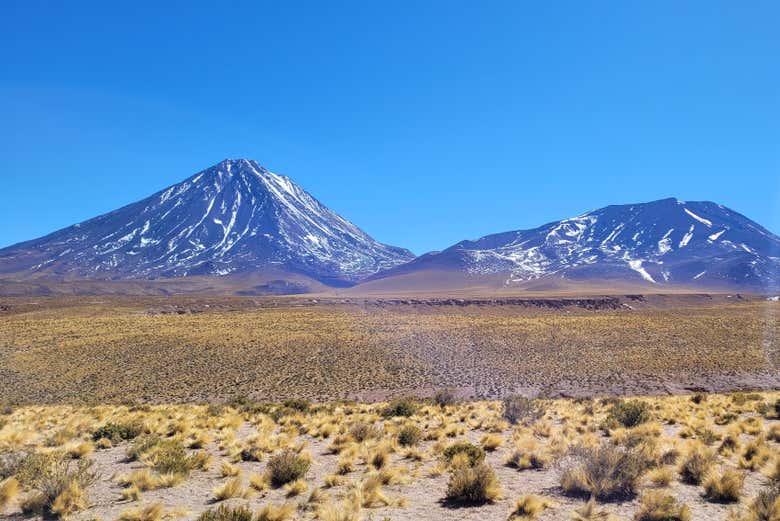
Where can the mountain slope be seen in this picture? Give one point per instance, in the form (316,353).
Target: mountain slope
(233,218)
(661,243)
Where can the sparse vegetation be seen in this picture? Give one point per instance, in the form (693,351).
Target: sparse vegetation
(475,484)
(287,466)
(605,472)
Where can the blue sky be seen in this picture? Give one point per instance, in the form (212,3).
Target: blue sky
(423,122)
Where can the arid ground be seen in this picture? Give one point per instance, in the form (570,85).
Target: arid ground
(97,350)
(692,457)
(348,408)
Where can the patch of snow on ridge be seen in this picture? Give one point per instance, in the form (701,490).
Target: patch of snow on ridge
(636,265)
(700,219)
(686,238)
(714,236)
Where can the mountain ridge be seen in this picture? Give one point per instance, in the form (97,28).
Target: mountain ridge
(233,217)
(663,243)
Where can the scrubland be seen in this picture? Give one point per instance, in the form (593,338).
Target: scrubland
(94,350)
(688,457)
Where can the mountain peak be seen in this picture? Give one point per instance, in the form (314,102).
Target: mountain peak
(664,242)
(234,217)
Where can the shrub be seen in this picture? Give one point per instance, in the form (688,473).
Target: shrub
(444,397)
(529,507)
(57,481)
(117,432)
(699,398)
(589,512)
(9,489)
(272,512)
(226,513)
(606,472)
(287,466)
(629,413)
(473,485)
(169,457)
(409,435)
(472,452)
(299,405)
(725,487)
(363,431)
(140,446)
(696,464)
(402,407)
(766,506)
(527,456)
(657,506)
(777,407)
(517,409)
(230,489)
(491,442)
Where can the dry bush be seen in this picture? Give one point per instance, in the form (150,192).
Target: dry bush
(230,489)
(590,512)
(605,472)
(657,506)
(404,407)
(409,435)
(724,487)
(363,431)
(476,484)
(226,513)
(629,413)
(529,507)
(52,476)
(491,442)
(519,409)
(287,466)
(527,454)
(755,455)
(9,489)
(271,512)
(473,453)
(152,512)
(661,476)
(695,464)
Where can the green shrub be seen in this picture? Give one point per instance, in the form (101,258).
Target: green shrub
(409,435)
(474,453)
(629,413)
(287,466)
(402,407)
(117,432)
(299,405)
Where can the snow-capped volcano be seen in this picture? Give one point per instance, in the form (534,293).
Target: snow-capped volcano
(665,242)
(235,217)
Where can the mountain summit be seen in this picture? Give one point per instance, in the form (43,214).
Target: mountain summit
(661,243)
(235,217)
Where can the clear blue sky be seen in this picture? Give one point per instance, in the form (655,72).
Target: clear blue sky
(423,122)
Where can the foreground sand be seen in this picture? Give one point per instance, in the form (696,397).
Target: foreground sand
(361,471)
